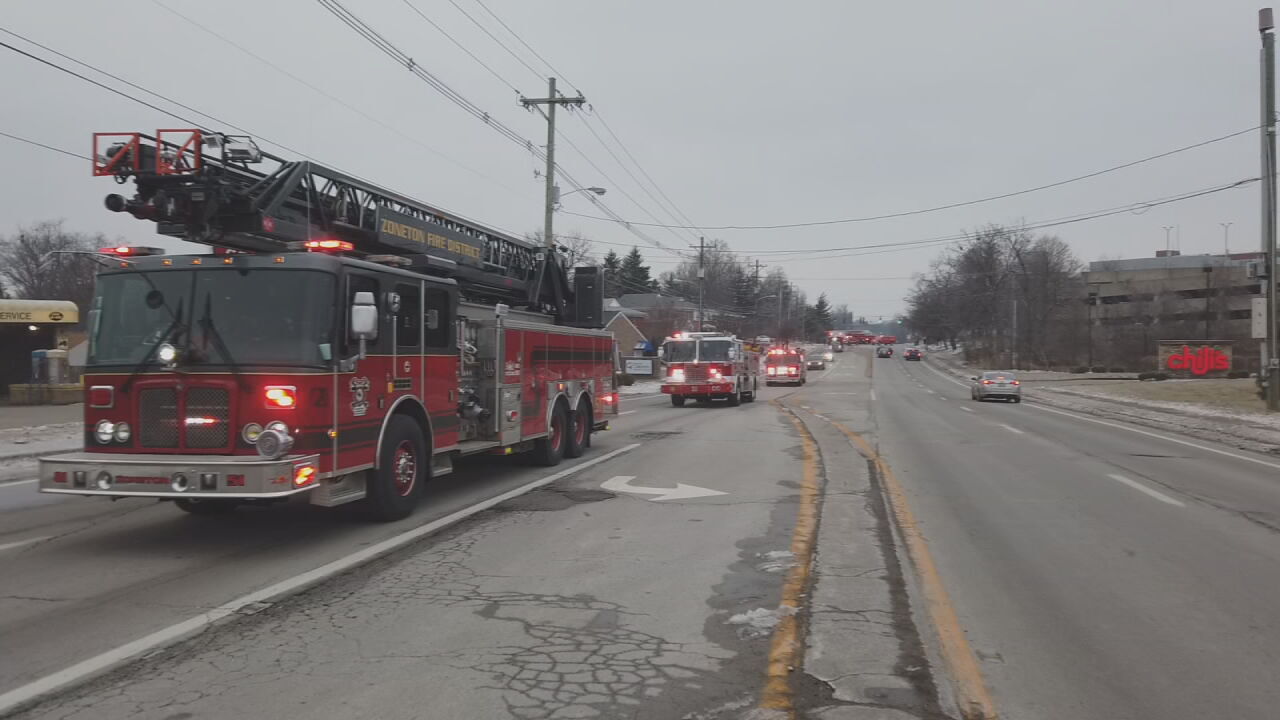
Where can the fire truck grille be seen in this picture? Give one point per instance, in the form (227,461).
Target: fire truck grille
(158,418)
(695,373)
(207,417)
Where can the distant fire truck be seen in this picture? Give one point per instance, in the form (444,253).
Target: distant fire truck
(709,366)
(342,340)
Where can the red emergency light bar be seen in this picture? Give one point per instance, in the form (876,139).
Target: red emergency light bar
(328,246)
(131,251)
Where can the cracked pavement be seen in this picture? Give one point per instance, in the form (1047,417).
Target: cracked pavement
(566,602)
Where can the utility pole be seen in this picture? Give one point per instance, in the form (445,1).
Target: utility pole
(1266,26)
(551,101)
(702,245)
(1226,240)
(1167,247)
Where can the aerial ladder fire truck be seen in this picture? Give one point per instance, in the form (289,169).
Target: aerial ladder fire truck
(340,340)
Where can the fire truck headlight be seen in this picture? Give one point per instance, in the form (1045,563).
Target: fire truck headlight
(677,374)
(274,443)
(122,432)
(251,432)
(167,353)
(104,432)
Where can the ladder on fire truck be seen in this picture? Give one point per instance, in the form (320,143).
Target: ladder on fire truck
(222,190)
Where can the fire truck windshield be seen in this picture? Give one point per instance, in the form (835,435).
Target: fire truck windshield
(263,317)
(680,351)
(714,350)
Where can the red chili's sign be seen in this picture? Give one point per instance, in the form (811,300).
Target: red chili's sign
(1195,359)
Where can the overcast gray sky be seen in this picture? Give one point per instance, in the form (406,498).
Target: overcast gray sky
(744,112)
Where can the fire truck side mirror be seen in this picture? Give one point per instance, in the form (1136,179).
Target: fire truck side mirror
(364,319)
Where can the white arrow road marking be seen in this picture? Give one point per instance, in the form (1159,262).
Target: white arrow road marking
(620,483)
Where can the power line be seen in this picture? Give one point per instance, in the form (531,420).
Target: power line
(322,92)
(551,67)
(462,47)
(42,145)
(175,115)
(604,123)
(494,38)
(967,203)
(397,55)
(882,248)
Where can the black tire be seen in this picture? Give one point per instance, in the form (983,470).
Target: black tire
(677,401)
(549,450)
(579,437)
(751,396)
(1017,399)
(403,467)
(735,398)
(213,506)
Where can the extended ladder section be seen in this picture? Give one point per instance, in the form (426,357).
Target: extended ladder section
(222,190)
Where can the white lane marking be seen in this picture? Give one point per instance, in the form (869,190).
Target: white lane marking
(1119,426)
(98,663)
(966,409)
(626,412)
(931,392)
(622,483)
(942,397)
(18,482)
(1010,428)
(1144,489)
(1158,436)
(20,543)
(873,394)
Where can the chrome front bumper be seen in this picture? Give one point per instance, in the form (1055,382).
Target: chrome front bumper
(161,476)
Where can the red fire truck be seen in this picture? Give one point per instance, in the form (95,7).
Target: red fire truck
(709,366)
(341,340)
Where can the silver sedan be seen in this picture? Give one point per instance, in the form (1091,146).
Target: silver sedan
(996,385)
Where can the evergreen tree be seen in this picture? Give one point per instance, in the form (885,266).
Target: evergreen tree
(612,269)
(634,274)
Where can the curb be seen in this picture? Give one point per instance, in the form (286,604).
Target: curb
(37,453)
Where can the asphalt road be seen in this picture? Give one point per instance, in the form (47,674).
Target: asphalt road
(583,597)
(1099,571)
(1088,569)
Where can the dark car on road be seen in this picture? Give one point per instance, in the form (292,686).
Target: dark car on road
(884,351)
(913,354)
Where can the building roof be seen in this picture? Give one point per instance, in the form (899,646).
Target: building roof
(1172,262)
(612,305)
(39,311)
(654,301)
(610,317)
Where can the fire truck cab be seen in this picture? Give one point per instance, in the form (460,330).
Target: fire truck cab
(283,368)
(707,366)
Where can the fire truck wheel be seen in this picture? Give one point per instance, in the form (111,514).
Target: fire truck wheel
(206,507)
(677,401)
(735,398)
(549,450)
(751,396)
(396,483)
(579,432)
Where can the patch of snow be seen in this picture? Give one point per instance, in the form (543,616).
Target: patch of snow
(642,387)
(760,621)
(41,439)
(777,561)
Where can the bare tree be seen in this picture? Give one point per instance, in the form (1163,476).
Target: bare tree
(32,272)
(575,248)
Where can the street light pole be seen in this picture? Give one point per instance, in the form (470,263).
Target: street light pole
(1226,238)
(1266,26)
